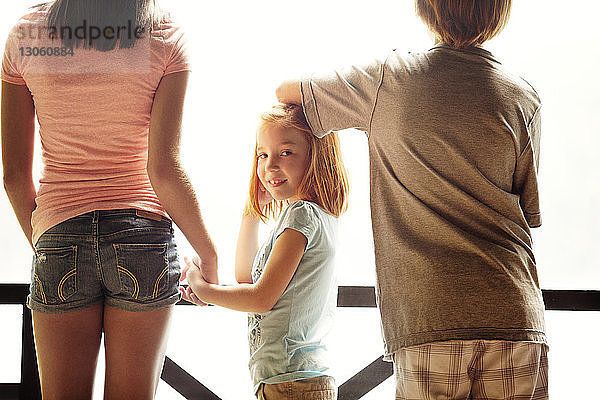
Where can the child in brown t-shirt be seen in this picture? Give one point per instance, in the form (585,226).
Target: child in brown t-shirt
(454,149)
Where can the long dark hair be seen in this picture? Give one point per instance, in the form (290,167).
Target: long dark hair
(118,22)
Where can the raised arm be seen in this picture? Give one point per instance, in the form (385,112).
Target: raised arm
(338,99)
(261,296)
(18,138)
(289,92)
(168,178)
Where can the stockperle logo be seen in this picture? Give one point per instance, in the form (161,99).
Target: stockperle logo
(38,48)
(84,31)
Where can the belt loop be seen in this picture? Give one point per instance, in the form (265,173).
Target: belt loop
(95,216)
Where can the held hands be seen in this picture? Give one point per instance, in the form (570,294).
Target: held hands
(200,274)
(197,284)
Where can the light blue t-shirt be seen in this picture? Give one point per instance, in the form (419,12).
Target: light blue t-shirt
(286,343)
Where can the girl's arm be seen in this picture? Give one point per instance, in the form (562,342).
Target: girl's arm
(167,176)
(261,296)
(18,138)
(247,246)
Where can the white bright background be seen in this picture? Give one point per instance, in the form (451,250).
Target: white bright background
(242,50)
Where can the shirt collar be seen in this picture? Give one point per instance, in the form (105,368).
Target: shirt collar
(477,50)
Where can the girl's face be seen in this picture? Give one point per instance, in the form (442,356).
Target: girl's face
(283,156)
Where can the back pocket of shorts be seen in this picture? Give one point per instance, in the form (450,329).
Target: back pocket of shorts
(54,278)
(143,269)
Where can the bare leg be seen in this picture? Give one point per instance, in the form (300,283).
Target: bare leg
(135,344)
(67,346)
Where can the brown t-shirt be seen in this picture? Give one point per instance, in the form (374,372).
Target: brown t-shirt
(453,146)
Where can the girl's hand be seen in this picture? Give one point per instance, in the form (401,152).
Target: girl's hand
(188,295)
(209,270)
(196,281)
(264,197)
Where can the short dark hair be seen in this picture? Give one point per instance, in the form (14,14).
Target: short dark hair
(464,23)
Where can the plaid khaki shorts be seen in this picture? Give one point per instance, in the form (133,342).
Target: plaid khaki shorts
(472,369)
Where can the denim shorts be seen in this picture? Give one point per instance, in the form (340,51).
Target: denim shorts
(126,259)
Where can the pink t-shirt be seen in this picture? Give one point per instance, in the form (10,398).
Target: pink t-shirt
(93,110)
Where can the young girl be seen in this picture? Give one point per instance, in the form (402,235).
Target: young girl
(288,290)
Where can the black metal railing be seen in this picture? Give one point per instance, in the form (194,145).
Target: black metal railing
(190,388)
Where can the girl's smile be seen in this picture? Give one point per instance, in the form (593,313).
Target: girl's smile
(277,182)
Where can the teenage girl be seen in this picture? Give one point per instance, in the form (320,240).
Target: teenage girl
(286,286)
(109,110)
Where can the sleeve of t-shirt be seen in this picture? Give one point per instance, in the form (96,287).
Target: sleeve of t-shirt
(342,99)
(299,217)
(525,181)
(177,55)
(10,66)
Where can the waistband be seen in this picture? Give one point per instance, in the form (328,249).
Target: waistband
(96,214)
